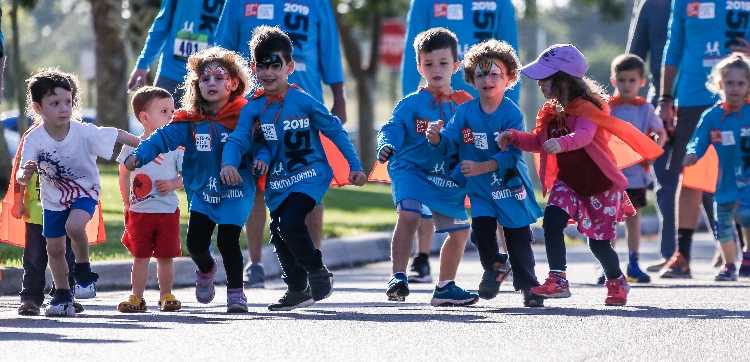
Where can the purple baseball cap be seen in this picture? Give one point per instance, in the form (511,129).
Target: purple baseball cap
(559,57)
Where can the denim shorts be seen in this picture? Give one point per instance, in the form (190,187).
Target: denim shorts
(54,221)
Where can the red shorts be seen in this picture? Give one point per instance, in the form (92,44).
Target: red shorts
(152,235)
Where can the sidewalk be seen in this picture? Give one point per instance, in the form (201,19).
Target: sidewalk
(337,253)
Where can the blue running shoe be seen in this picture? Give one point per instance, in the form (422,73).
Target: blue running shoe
(727,274)
(635,274)
(745,266)
(452,295)
(398,288)
(61,304)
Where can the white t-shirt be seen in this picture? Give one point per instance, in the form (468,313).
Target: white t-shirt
(67,169)
(144,196)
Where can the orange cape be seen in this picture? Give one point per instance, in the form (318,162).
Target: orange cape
(628,145)
(13,231)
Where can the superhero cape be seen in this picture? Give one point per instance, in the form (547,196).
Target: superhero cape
(379,171)
(617,101)
(627,143)
(705,173)
(13,231)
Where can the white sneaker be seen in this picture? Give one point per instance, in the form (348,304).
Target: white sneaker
(60,309)
(85,291)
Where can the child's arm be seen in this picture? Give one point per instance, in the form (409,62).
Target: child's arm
(523,140)
(581,136)
(239,143)
(24,173)
(390,137)
(699,143)
(127,138)
(19,207)
(330,126)
(661,137)
(446,141)
(165,139)
(166,186)
(124,177)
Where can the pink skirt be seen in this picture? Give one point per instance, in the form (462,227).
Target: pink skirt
(597,216)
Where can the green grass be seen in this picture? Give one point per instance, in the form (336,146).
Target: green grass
(348,211)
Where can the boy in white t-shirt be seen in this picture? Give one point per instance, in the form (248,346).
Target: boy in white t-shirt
(64,153)
(152,216)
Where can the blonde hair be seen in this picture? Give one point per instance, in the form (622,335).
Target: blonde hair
(233,62)
(735,60)
(492,49)
(43,82)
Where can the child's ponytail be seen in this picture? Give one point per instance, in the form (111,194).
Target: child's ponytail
(568,88)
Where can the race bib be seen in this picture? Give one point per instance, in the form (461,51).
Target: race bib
(187,43)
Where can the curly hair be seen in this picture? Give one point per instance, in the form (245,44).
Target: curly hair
(735,60)
(232,62)
(566,88)
(492,49)
(43,82)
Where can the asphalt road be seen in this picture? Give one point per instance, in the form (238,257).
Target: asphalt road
(696,319)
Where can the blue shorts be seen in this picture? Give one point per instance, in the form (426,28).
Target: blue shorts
(54,221)
(443,224)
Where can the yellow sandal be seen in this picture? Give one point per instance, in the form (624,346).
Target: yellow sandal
(169,303)
(132,305)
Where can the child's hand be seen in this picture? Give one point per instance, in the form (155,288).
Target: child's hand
(19,210)
(357,178)
(689,159)
(472,168)
(552,146)
(25,172)
(504,139)
(433,132)
(131,163)
(229,175)
(165,186)
(259,168)
(385,153)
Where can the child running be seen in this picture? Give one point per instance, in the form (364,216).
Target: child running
(628,77)
(152,215)
(497,182)
(291,121)
(724,127)
(420,176)
(214,87)
(571,144)
(63,151)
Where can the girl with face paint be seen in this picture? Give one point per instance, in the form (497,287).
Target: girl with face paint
(215,86)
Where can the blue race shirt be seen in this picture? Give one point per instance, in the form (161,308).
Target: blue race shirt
(472,21)
(181,28)
(700,34)
(505,194)
(416,170)
(291,127)
(203,142)
(310,25)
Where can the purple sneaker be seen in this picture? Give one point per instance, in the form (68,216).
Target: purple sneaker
(236,300)
(204,285)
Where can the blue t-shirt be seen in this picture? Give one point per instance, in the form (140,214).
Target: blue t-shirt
(203,142)
(292,130)
(643,118)
(416,170)
(505,194)
(471,21)
(310,25)
(181,28)
(700,34)
(730,136)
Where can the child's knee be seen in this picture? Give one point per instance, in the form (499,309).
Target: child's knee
(409,216)
(56,247)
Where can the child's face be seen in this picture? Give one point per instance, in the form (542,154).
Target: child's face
(437,67)
(545,85)
(628,83)
(491,78)
(735,85)
(273,73)
(215,83)
(158,113)
(55,108)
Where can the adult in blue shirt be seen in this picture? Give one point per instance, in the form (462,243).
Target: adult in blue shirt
(177,32)
(694,51)
(311,26)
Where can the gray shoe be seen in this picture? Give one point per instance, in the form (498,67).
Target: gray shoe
(255,276)
(491,281)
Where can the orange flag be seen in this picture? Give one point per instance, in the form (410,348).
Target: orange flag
(704,174)
(13,231)
(338,162)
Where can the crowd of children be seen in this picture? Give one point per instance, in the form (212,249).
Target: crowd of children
(442,149)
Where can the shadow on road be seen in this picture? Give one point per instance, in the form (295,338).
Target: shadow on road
(50,337)
(631,311)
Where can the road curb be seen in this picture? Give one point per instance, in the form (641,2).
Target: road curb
(337,253)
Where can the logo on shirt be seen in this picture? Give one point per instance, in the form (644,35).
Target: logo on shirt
(496,180)
(203,142)
(296,8)
(693,9)
(483,5)
(278,169)
(707,11)
(439,168)
(448,11)
(258,10)
(420,125)
(269,132)
(480,141)
(212,184)
(467,135)
(712,48)
(745,132)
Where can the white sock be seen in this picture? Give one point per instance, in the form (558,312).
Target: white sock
(443,283)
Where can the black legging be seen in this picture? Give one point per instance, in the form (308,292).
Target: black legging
(518,241)
(200,229)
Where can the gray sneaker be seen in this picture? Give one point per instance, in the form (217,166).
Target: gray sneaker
(293,300)
(255,276)
(491,280)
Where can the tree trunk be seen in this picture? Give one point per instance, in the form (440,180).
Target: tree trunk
(18,79)
(365,76)
(111,64)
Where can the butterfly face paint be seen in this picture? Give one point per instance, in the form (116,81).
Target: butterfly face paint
(487,68)
(271,62)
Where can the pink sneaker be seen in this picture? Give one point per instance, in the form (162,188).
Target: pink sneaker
(617,291)
(556,286)
(204,285)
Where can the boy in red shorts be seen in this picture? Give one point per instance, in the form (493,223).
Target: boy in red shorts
(152,216)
